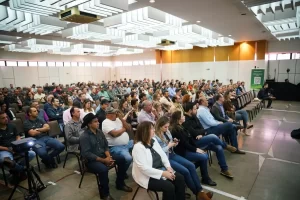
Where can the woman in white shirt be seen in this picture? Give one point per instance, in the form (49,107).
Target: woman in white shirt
(151,168)
(87,107)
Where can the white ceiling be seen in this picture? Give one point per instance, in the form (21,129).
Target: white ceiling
(221,16)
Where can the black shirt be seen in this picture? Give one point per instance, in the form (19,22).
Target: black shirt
(93,145)
(34,124)
(101,115)
(8,135)
(156,159)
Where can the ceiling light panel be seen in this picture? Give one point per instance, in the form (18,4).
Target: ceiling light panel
(45,44)
(143,20)
(20,48)
(280,18)
(28,23)
(92,32)
(138,40)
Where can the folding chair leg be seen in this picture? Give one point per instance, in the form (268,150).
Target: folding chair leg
(66,159)
(38,162)
(80,168)
(58,159)
(98,183)
(136,191)
(82,175)
(4,176)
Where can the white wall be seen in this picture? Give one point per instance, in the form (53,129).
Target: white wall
(277,70)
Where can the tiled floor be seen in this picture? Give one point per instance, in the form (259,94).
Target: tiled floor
(269,171)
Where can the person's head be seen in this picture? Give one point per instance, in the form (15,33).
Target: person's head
(157,106)
(231,81)
(238,83)
(178,92)
(32,112)
(39,90)
(156,97)
(91,121)
(177,118)
(166,93)
(243,83)
(104,104)
(266,85)
(3,118)
(190,108)
(11,85)
(70,100)
(84,90)
(35,104)
(82,96)
(150,91)
(135,103)
(1,96)
(133,95)
(3,106)
(87,104)
(143,97)
(17,92)
(123,104)
(203,102)
(111,113)
(219,98)
(29,95)
(186,98)
(162,125)
(75,113)
(176,99)
(49,98)
(127,97)
(147,106)
(55,102)
(144,133)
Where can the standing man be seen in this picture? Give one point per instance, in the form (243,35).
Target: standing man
(37,128)
(94,148)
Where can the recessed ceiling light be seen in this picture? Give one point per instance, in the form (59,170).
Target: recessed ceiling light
(229,35)
(198,21)
(152,1)
(220,35)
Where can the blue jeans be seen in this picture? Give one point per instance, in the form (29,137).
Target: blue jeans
(102,170)
(242,115)
(21,163)
(213,143)
(188,170)
(226,129)
(199,160)
(123,150)
(56,146)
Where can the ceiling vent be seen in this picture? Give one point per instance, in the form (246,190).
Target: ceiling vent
(77,16)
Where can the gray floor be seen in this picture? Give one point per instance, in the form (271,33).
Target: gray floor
(269,171)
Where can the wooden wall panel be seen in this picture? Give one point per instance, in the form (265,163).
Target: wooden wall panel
(221,53)
(195,54)
(208,54)
(247,51)
(157,56)
(261,49)
(233,52)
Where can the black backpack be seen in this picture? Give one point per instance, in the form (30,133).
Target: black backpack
(295,134)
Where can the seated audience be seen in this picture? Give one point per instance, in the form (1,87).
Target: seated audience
(203,141)
(179,163)
(95,150)
(87,107)
(55,112)
(9,113)
(9,134)
(176,105)
(73,129)
(37,128)
(42,114)
(264,94)
(150,94)
(146,113)
(159,110)
(124,112)
(81,97)
(166,101)
(17,98)
(103,93)
(156,98)
(212,126)
(48,103)
(115,130)
(94,94)
(28,99)
(101,115)
(151,168)
(39,96)
(186,98)
(111,93)
(187,147)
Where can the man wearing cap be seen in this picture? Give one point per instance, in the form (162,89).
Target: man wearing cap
(100,111)
(114,129)
(94,148)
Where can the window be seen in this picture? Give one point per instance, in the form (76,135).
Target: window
(67,64)
(272,56)
(32,64)
(2,63)
(118,64)
(283,56)
(87,64)
(51,64)
(295,55)
(135,63)
(23,64)
(11,63)
(81,64)
(59,64)
(74,64)
(128,63)
(42,64)
(106,64)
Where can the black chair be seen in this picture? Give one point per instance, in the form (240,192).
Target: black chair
(25,108)
(19,125)
(136,191)
(15,106)
(16,158)
(21,115)
(13,110)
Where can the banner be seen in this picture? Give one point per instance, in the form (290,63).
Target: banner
(257,78)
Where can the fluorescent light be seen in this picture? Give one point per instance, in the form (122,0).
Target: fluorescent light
(229,35)
(198,21)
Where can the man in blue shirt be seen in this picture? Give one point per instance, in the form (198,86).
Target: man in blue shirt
(171,90)
(212,126)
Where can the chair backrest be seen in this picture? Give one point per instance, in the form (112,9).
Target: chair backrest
(19,125)
(239,103)
(15,106)
(41,106)
(25,108)
(21,116)
(54,129)
(13,110)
